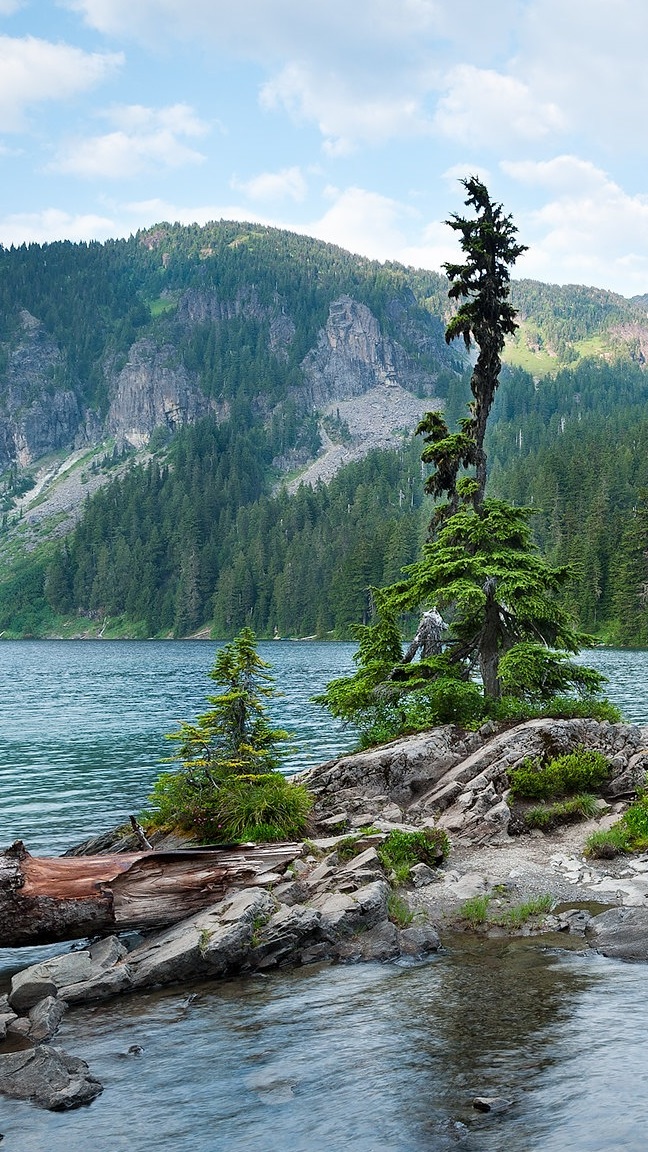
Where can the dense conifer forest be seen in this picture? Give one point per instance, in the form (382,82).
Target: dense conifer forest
(204,535)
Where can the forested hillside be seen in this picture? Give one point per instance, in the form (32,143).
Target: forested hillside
(190,374)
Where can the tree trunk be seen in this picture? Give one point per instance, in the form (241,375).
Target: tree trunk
(489,643)
(45,900)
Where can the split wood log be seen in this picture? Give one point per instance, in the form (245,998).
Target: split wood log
(44,900)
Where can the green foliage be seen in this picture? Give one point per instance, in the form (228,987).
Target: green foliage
(519,914)
(512,710)
(475,910)
(402,850)
(608,842)
(228,788)
(399,911)
(530,671)
(234,737)
(629,834)
(486,317)
(547,816)
(581,771)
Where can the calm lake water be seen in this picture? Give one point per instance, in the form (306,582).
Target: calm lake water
(378,1058)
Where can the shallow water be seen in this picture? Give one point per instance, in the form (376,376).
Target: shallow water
(378,1058)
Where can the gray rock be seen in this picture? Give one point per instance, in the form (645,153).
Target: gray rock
(214,943)
(367,861)
(574,920)
(336,823)
(620,933)
(419,939)
(287,931)
(291,892)
(378,944)
(392,813)
(20,1026)
(421,875)
(45,1017)
(491,1103)
(49,1077)
(342,915)
(70,976)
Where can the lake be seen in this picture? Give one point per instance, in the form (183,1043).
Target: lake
(380,1058)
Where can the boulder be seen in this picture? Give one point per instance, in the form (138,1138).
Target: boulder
(621,933)
(45,1017)
(49,1077)
(421,875)
(419,939)
(64,975)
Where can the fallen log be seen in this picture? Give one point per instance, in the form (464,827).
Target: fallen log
(44,900)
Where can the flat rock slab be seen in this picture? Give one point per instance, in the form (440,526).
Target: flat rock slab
(49,1077)
(621,933)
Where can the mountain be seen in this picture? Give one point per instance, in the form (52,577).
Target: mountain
(168,394)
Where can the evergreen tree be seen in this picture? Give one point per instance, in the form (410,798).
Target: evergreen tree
(479,565)
(229,787)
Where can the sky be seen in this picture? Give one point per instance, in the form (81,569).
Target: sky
(349,120)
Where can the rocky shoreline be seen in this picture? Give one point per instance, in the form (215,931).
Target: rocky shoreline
(335,901)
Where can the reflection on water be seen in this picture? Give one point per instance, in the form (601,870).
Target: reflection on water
(378,1058)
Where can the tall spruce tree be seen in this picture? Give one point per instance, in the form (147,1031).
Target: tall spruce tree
(479,565)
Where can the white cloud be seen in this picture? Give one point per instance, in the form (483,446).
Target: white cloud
(8,7)
(360,71)
(342,114)
(288,183)
(590,231)
(53,224)
(145,139)
(363,222)
(590,58)
(485,107)
(507,71)
(33,71)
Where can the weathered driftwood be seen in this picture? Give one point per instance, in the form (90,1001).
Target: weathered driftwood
(47,899)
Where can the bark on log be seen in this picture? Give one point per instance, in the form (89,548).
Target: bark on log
(45,900)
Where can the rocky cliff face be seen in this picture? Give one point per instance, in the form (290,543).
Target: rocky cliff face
(153,390)
(41,413)
(37,416)
(353,356)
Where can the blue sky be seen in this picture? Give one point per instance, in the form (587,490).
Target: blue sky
(350,120)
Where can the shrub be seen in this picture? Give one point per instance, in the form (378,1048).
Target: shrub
(513,710)
(607,843)
(259,808)
(476,911)
(629,834)
(545,816)
(347,848)
(580,771)
(402,850)
(519,914)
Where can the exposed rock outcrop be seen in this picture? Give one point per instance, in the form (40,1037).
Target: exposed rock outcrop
(352,355)
(460,779)
(48,1077)
(37,415)
(152,390)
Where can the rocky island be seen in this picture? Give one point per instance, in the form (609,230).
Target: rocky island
(334,897)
